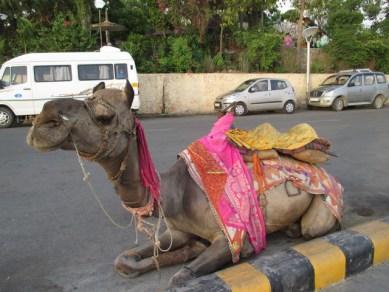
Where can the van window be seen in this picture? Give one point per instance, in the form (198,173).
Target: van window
(381,78)
(14,75)
(95,72)
(6,78)
(368,79)
(121,71)
(55,73)
(278,84)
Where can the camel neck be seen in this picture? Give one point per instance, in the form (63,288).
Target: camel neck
(128,185)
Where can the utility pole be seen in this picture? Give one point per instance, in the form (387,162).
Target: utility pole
(300,34)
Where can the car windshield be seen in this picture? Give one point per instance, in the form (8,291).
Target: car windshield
(244,85)
(336,79)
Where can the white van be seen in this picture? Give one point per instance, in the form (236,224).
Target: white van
(30,80)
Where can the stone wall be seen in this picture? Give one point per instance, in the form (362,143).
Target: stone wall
(195,93)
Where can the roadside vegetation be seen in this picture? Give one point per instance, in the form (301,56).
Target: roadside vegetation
(205,35)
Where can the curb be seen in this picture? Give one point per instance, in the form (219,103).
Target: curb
(312,265)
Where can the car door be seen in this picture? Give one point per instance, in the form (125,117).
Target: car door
(369,88)
(259,95)
(278,92)
(354,89)
(17,92)
(382,86)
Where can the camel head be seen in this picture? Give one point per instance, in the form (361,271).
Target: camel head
(99,126)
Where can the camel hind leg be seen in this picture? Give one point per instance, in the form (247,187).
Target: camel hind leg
(318,220)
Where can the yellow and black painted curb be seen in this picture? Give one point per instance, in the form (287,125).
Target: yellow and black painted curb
(304,267)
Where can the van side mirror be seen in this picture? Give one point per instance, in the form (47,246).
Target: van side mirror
(352,84)
(252,89)
(2,84)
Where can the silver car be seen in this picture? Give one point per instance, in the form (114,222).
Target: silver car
(351,88)
(258,95)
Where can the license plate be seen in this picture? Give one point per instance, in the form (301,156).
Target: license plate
(217,105)
(314,99)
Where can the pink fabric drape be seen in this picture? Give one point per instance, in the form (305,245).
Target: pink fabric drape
(242,207)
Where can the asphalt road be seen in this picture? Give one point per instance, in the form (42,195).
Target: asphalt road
(54,237)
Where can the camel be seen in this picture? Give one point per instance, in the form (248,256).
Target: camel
(102,127)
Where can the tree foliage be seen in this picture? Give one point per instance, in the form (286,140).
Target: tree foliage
(198,35)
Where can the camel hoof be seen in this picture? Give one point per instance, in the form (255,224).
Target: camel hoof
(181,277)
(125,266)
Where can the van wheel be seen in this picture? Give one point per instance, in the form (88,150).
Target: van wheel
(240,109)
(289,107)
(378,102)
(6,117)
(338,104)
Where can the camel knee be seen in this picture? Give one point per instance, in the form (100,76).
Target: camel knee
(127,265)
(318,220)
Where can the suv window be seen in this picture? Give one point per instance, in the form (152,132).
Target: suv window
(95,72)
(368,79)
(260,86)
(55,73)
(381,78)
(356,81)
(278,84)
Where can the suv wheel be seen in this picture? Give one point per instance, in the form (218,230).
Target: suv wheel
(240,109)
(289,107)
(378,102)
(338,104)
(6,117)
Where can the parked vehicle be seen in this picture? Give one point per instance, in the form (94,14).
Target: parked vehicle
(351,88)
(259,94)
(27,82)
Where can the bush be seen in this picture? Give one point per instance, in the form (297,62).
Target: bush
(218,61)
(263,49)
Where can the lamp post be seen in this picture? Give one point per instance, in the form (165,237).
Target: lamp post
(99,4)
(308,33)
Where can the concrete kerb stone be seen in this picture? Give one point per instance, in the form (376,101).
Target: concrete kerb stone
(307,266)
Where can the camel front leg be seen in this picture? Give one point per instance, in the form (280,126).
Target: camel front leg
(135,261)
(216,256)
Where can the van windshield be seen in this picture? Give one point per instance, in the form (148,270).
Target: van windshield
(336,79)
(244,85)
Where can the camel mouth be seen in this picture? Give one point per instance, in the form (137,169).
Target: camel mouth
(45,145)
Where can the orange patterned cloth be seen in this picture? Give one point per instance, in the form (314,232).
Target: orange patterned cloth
(313,179)
(229,198)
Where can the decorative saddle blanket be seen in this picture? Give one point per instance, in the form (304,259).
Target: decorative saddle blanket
(217,166)
(313,179)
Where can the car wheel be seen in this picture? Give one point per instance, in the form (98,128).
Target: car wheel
(338,104)
(6,117)
(289,107)
(240,109)
(378,102)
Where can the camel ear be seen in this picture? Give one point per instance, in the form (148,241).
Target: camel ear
(129,92)
(99,86)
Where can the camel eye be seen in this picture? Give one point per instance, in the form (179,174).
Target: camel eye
(52,123)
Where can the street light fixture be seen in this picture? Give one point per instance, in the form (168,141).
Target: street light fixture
(99,4)
(308,33)
(3,16)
